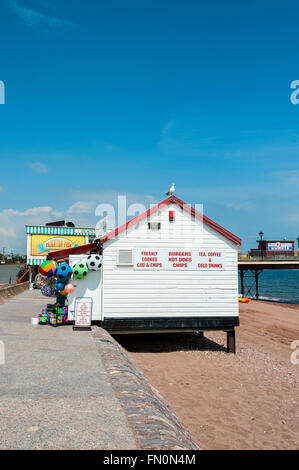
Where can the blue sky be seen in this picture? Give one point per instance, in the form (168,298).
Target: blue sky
(112,97)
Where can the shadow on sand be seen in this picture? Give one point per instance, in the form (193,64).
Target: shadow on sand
(167,342)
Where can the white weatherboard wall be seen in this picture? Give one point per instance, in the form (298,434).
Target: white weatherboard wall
(131,293)
(90,286)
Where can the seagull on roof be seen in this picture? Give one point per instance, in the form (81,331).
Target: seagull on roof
(171,190)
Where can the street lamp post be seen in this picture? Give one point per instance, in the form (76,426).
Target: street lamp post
(261,238)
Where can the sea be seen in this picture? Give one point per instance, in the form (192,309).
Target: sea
(275,285)
(8,273)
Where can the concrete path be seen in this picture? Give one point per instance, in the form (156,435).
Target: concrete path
(54,391)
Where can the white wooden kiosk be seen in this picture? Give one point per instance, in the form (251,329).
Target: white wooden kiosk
(168,269)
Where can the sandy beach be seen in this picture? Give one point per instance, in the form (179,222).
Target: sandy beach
(244,401)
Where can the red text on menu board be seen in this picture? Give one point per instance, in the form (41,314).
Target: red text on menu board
(149,259)
(178,259)
(208,261)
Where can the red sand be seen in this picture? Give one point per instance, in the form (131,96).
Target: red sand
(226,401)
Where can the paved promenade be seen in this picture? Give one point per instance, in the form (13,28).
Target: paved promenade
(54,390)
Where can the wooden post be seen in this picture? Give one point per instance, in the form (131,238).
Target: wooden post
(231,341)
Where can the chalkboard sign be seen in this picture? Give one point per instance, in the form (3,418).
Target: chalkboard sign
(83,313)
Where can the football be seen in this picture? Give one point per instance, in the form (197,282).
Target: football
(63,272)
(80,270)
(94,262)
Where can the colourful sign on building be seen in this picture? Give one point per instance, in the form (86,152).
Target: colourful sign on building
(280,246)
(43,244)
(42,239)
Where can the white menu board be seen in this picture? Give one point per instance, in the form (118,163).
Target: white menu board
(176,259)
(83,312)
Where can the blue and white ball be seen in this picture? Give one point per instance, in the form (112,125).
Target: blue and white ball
(63,273)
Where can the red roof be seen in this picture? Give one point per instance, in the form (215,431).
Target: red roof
(138,218)
(183,205)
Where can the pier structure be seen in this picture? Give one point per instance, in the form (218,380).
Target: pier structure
(253,267)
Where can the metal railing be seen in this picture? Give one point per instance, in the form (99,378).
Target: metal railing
(264,256)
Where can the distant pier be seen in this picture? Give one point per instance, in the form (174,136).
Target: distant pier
(253,267)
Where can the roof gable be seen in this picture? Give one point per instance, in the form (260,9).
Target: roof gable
(184,206)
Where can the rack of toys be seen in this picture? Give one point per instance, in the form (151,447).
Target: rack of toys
(55,280)
(54,315)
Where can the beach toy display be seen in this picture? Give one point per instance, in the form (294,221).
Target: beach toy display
(48,268)
(53,315)
(48,290)
(80,270)
(40,280)
(94,262)
(54,281)
(63,273)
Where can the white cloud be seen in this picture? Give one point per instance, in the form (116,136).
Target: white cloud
(35,19)
(33,211)
(82,207)
(81,212)
(1,189)
(57,214)
(39,167)
(12,225)
(88,210)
